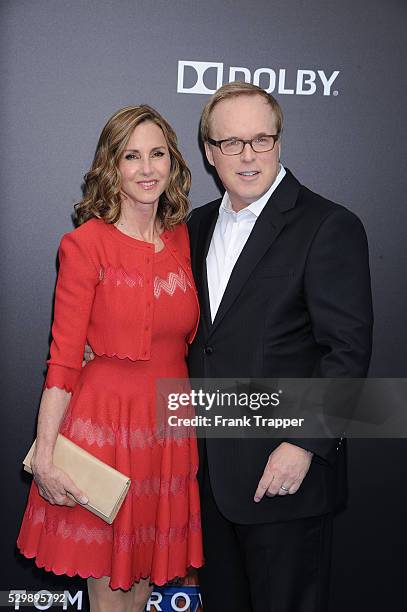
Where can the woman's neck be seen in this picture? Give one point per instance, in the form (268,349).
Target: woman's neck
(139,221)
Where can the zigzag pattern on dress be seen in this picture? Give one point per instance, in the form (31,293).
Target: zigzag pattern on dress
(155,485)
(125,542)
(119,276)
(98,433)
(91,432)
(61,527)
(122,542)
(173,281)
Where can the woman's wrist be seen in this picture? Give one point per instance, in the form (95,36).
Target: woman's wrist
(42,458)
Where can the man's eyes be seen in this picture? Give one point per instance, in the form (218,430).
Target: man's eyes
(230,143)
(233,141)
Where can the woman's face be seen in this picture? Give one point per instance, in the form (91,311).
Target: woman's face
(145,165)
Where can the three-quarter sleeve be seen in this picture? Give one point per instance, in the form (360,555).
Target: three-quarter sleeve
(75,291)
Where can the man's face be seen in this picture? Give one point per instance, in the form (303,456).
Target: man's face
(247,176)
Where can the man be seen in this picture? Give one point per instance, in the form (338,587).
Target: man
(283,279)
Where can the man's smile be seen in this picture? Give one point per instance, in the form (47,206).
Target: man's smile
(248,174)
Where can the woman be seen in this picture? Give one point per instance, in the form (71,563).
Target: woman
(125,284)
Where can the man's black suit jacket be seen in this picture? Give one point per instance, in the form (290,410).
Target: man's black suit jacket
(297,305)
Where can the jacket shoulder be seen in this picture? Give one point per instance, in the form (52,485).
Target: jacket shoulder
(83,240)
(179,235)
(198,213)
(85,232)
(321,208)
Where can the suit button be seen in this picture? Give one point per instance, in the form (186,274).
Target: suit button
(208,350)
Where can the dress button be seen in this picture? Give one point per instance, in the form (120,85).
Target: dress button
(208,350)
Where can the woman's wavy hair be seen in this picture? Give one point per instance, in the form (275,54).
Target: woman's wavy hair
(103,181)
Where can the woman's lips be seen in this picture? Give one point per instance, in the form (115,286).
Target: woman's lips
(147,185)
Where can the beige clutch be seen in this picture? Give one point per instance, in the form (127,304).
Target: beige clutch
(104,486)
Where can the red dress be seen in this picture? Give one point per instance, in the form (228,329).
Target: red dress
(111,414)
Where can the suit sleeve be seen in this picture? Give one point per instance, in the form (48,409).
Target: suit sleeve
(338,295)
(74,295)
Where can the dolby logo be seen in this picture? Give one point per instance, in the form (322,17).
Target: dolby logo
(207,77)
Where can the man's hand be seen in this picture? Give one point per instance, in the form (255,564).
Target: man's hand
(286,468)
(88,355)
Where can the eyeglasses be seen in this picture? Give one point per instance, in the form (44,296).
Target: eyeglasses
(235,146)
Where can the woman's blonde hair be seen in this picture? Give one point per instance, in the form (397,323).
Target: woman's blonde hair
(103,181)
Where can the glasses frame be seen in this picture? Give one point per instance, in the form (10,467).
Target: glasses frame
(218,143)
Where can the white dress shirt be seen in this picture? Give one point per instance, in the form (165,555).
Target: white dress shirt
(231,232)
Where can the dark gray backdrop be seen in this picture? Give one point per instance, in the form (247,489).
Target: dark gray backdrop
(67,66)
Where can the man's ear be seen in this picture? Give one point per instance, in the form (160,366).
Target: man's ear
(208,152)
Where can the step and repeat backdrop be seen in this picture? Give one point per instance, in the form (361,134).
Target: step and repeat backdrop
(338,70)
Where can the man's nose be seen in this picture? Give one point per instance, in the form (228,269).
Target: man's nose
(247,154)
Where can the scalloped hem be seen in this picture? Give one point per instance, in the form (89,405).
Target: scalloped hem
(114,586)
(64,387)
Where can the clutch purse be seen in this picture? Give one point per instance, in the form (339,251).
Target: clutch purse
(104,486)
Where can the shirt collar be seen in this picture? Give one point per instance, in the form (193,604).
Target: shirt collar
(256,207)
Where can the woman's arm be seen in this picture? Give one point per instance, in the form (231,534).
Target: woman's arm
(75,291)
(53,484)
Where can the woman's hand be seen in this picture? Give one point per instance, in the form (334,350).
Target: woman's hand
(54,484)
(88,355)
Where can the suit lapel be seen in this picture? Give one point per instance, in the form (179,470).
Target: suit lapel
(268,226)
(205,231)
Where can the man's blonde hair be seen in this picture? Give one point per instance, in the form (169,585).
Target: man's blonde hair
(232,90)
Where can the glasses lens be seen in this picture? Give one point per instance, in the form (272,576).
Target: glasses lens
(263,143)
(232,146)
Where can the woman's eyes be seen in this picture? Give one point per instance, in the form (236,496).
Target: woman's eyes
(156,154)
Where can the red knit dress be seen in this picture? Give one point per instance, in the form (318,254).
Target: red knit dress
(104,276)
